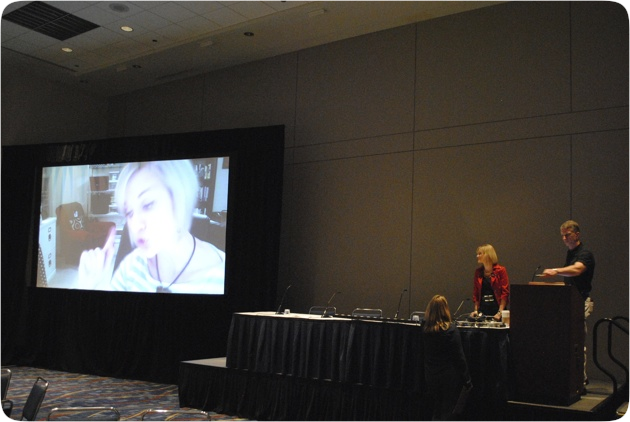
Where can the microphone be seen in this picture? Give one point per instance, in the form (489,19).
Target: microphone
(535,271)
(399,302)
(282,300)
(324,314)
(459,307)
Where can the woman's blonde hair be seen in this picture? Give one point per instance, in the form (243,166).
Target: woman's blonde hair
(489,251)
(179,178)
(437,316)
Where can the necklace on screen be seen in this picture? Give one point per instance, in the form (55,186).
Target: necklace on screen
(162,289)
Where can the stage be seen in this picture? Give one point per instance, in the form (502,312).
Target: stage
(302,367)
(207,384)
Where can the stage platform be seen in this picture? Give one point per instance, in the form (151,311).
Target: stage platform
(209,385)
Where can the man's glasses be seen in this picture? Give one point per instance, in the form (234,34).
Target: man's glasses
(566,235)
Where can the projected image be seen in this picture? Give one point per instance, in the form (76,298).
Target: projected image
(139,227)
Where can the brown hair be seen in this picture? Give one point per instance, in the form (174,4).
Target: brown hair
(437,316)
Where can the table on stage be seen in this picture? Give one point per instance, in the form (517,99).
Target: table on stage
(385,354)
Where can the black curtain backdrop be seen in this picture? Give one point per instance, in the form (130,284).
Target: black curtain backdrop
(140,336)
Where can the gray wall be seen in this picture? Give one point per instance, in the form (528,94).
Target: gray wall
(408,148)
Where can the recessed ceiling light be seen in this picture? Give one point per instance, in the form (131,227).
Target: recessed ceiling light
(66,50)
(126,28)
(248,34)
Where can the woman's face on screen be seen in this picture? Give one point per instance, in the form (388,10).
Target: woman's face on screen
(149,212)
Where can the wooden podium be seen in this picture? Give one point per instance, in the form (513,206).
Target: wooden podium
(547,343)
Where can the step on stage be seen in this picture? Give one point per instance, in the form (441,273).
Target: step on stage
(207,384)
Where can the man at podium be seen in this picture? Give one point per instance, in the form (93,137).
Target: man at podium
(578,270)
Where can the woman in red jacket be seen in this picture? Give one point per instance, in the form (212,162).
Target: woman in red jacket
(491,285)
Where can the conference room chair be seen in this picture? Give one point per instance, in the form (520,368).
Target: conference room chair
(7,407)
(77,233)
(175,415)
(6,380)
(34,399)
(319,310)
(367,313)
(86,413)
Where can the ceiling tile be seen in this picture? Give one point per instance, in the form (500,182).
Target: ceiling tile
(199,25)
(201,7)
(14,6)
(71,6)
(252,9)
(97,15)
(150,20)
(147,5)
(20,46)
(10,30)
(173,12)
(225,17)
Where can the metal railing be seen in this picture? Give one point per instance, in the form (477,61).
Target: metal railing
(612,322)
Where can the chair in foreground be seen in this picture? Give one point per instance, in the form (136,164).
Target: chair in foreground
(7,407)
(319,310)
(367,313)
(6,380)
(93,413)
(34,399)
(175,415)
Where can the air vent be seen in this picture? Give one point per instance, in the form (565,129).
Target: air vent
(48,20)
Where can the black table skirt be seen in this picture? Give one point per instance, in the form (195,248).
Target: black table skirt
(362,366)
(378,353)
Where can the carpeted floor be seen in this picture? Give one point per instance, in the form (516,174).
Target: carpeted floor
(131,398)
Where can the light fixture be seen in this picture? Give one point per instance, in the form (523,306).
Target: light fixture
(126,28)
(119,7)
(66,49)
(316,12)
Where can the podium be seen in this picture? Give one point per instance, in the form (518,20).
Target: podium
(547,343)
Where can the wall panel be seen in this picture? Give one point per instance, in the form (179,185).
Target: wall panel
(509,194)
(351,232)
(357,88)
(502,62)
(599,54)
(257,94)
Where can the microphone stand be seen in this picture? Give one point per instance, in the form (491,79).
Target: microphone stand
(278,312)
(399,302)
(459,307)
(535,271)
(325,313)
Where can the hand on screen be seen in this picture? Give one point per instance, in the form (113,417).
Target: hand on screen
(95,267)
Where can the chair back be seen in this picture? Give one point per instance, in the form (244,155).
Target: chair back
(319,310)
(6,380)
(367,313)
(417,316)
(7,407)
(35,399)
(70,216)
(89,413)
(175,415)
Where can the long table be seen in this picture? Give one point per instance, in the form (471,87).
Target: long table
(376,357)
